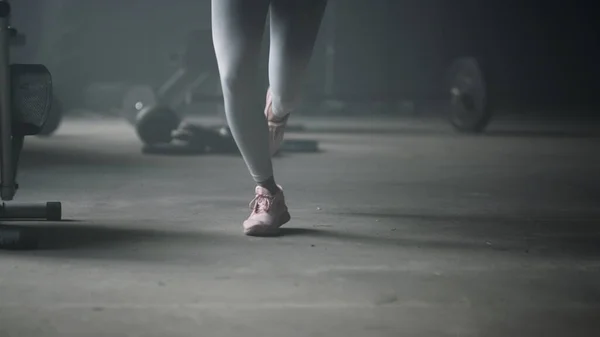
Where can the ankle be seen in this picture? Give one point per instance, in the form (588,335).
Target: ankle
(270,185)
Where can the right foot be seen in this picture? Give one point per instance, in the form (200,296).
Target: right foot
(276,125)
(269,212)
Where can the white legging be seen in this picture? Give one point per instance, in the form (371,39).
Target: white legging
(237,28)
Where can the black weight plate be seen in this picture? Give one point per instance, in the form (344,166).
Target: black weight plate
(155,124)
(55,116)
(469,104)
(135,99)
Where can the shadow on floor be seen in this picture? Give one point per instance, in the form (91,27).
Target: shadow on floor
(401,131)
(549,134)
(557,134)
(60,155)
(63,155)
(514,219)
(549,236)
(76,239)
(76,235)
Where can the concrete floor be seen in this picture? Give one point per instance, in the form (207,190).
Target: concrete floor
(406,231)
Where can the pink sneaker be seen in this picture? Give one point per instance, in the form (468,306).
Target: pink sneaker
(268,213)
(276,125)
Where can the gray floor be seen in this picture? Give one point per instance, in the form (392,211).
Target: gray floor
(401,228)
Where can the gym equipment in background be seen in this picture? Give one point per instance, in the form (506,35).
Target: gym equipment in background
(54,120)
(155,124)
(25,102)
(470,110)
(195,139)
(143,104)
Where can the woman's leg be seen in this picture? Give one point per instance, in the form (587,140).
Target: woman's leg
(237,28)
(294,25)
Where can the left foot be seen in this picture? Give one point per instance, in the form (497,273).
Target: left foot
(269,212)
(276,125)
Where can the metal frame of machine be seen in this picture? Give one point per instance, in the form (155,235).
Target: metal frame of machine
(11,143)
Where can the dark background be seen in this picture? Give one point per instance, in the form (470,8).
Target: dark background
(534,53)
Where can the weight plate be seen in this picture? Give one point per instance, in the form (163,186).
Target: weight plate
(54,120)
(469,108)
(155,124)
(135,99)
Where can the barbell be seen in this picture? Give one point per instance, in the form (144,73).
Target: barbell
(155,113)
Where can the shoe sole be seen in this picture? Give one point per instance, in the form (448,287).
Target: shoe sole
(260,230)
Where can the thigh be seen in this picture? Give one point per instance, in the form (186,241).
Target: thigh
(237,29)
(294,25)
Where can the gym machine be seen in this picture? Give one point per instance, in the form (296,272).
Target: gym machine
(156,116)
(25,100)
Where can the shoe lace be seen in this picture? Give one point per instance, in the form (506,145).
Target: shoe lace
(261,202)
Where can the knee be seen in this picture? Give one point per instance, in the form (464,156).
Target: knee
(236,79)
